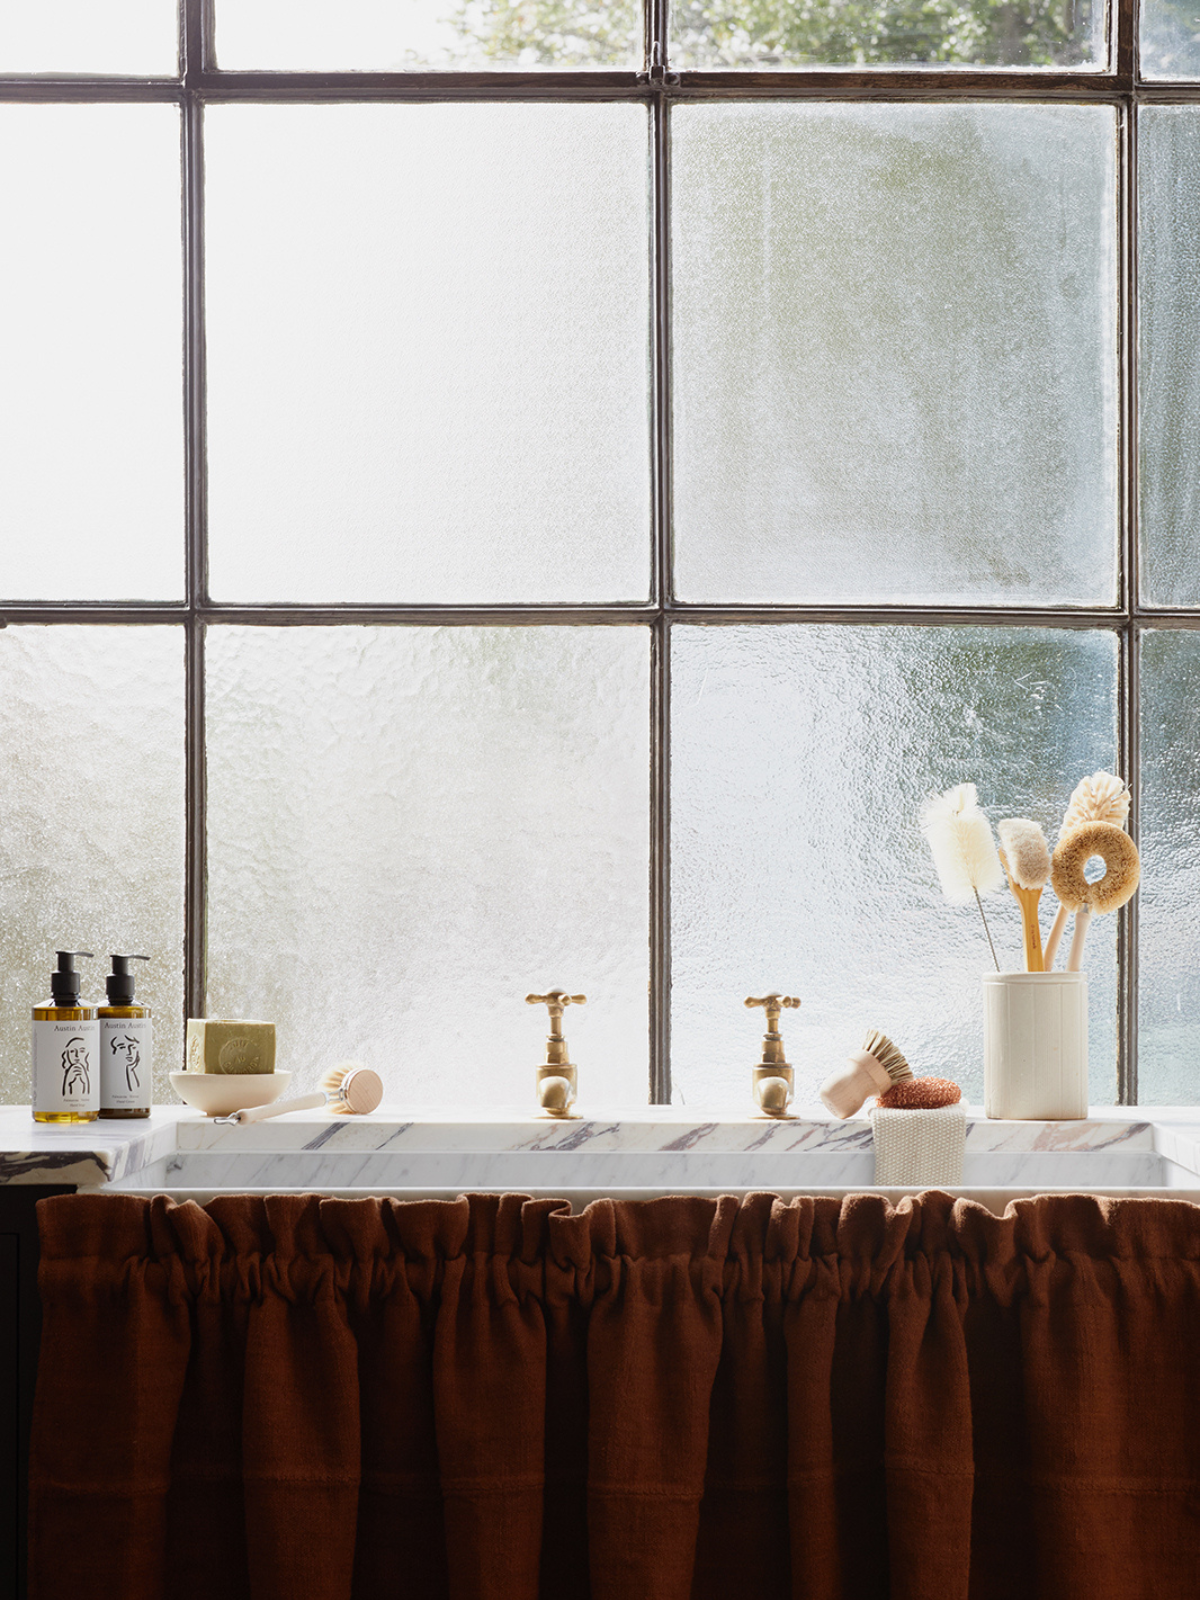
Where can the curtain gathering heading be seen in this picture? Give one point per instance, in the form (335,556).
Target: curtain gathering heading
(298,1398)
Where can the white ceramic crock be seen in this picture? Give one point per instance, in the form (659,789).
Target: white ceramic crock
(1035,1065)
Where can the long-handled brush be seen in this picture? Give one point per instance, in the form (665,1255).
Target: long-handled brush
(1025,856)
(963,849)
(1102,797)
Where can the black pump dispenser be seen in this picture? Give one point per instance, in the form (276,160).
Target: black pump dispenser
(65,984)
(119,982)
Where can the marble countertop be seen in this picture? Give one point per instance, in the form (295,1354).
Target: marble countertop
(103,1152)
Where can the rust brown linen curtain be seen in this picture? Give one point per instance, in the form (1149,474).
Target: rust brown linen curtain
(298,1398)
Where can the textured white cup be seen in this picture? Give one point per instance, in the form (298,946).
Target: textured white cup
(1035,1066)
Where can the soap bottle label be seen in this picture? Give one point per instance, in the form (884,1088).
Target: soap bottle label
(126,1063)
(66,1057)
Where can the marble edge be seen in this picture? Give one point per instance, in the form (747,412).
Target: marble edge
(113,1151)
(88,1154)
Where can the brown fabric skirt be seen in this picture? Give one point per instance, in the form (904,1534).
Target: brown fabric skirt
(298,1398)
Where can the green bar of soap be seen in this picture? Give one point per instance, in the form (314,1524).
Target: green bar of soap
(216,1045)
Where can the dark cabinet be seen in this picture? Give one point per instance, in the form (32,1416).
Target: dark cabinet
(20,1330)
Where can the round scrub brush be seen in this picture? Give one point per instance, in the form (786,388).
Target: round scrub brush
(1101,798)
(346,1090)
(1025,856)
(1122,870)
(877,1066)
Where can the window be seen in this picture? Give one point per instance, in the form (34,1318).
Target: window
(504,495)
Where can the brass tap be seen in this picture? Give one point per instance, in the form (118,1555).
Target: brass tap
(557,1079)
(773,1078)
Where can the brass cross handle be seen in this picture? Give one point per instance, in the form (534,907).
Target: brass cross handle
(774,1004)
(558,1000)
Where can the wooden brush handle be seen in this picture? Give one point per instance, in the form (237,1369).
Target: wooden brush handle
(1056,933)
(303,1102)
(1082,918)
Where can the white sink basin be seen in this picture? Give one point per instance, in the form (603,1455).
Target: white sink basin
(657,1152)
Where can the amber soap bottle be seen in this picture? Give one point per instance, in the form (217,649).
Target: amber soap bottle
(66,1049)
(126,1046)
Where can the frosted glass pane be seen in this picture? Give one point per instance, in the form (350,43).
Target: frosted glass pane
(800,759)
(91,824)
(428,352)
(894,353)
(1170,40)
(1169,921)
(410,829)
(91,389)
(130,38)
(394,35)
(1169,338)
(769,34)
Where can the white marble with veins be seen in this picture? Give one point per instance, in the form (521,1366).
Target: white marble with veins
(653,1150)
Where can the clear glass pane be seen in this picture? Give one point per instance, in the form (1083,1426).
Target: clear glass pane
(428,337)
(127,38)
(91,824)
(770,34)
(894,353)
(800,758)
(1169,341)
(1170,40)
(410,829)
(1169,919)
(91,317)
(396,35)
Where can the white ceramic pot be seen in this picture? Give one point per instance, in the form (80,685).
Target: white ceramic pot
(1035,1066)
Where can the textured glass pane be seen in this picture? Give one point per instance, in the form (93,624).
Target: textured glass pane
(894,353)
(91,393)
(801,757)
(427,352)
(412,828)
(768,34)
(130,38)
(1170,39)
(1169,921)
(395,35)
(1169,337)
(91,824)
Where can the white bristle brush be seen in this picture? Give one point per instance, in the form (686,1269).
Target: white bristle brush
(1102,797)
(963,849)
(1026,858)
(346,1090)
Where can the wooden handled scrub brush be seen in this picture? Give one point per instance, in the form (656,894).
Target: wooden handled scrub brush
(346,1090)
(1025,856)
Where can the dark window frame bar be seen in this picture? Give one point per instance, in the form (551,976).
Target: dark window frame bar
(201,83)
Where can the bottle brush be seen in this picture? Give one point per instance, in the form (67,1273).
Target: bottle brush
(963,849)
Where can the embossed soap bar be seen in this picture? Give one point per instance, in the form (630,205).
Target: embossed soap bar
(215,1044)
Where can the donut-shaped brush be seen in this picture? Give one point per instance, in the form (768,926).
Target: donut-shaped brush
(1122,871)
(1102,797)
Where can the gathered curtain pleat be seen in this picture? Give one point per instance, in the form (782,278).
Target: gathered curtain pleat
(300,1398)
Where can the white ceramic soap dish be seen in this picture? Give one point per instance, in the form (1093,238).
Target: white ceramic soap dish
(219,1093)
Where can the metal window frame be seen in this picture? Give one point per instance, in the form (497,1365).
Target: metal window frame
(658,87)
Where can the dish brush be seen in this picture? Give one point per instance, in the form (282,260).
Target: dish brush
(963,850)
(1122,870)
(1025,856)
(1102,797)
(346,1090)
(877,1066)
